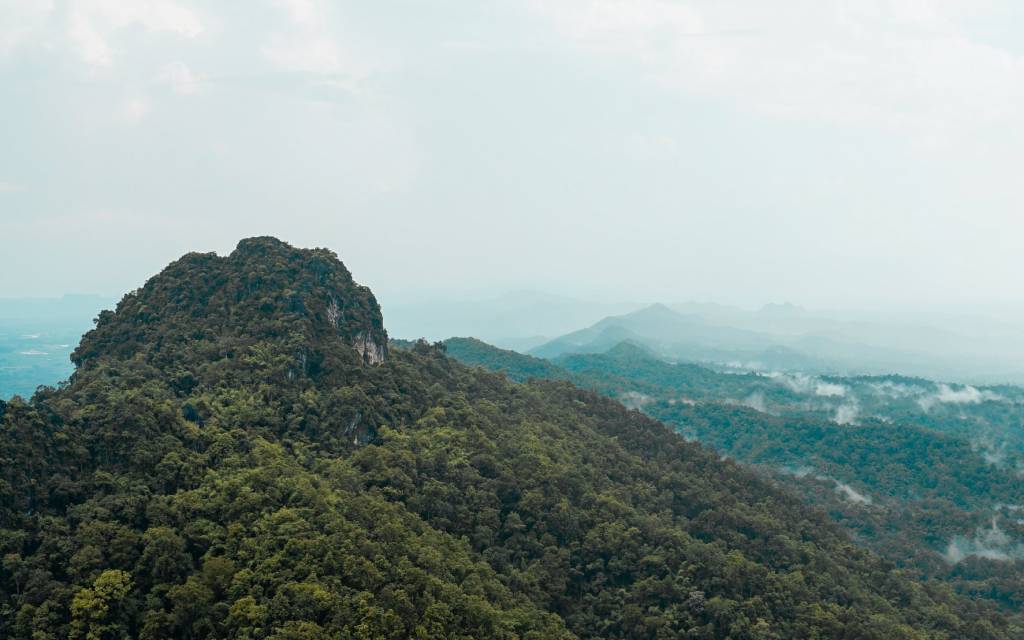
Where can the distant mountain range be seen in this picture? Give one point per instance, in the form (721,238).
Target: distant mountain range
(519,320)
(789,338)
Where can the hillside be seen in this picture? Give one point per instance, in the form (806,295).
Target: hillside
(516,366)
(925,473)
(239,455)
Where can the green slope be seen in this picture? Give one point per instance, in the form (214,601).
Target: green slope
(912,485)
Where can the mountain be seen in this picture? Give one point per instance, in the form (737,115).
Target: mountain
(925,473)
(518,320)
(515,365)
(785,337)
(239,454)
(656,325)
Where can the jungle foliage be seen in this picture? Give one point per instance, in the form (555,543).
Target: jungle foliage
(225,462)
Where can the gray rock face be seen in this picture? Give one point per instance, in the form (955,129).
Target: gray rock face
(372,352)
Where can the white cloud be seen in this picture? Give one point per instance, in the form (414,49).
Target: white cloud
(852,494)
(92,48)
(635,399)
(901,63)
(21,22)
(179,78)
(965,394)
(806,384)
(92,23)
(134,109)
(756,402)
(10,187)
(829,390)
(847,413)
(991,543)
(302,12)
(318,55)
(315,43)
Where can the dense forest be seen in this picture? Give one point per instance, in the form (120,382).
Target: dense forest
(934,486)
(239,454)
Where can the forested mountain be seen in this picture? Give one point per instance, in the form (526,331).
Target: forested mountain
(926,473)
(239,455)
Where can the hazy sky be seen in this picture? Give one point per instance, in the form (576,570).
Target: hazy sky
(829,153)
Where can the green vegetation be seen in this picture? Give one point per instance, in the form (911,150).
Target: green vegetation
(238,455)
(516,366)
(912,478)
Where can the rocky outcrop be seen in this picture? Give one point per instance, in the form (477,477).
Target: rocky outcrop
(372,351)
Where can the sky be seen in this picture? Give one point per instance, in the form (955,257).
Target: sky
(852,154)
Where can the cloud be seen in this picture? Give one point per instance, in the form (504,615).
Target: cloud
(847,413)
(800,471)
(902,63)
(807,384)
(315,44)
(179,78)
(964,394)
(92,23)
(842,488)
(134,109)
(10,187)
(796,382)
(852,494)
(318,55)
(992,452)
(302,12)
(635,399)
(22,22)
(990,543)
(895,390)
(756,402)
(829,390)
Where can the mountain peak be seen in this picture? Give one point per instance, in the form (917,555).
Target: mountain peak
(265,289)
(659,308)
(783,309)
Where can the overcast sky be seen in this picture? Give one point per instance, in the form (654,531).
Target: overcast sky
(827,153)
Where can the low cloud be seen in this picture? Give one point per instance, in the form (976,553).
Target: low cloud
(635,399)
(807,384)
(756,402)
(895,390)
(842,488)
(829,390)
(852,494)
(847,413)
(992,452)
(964,394)
(990,543)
